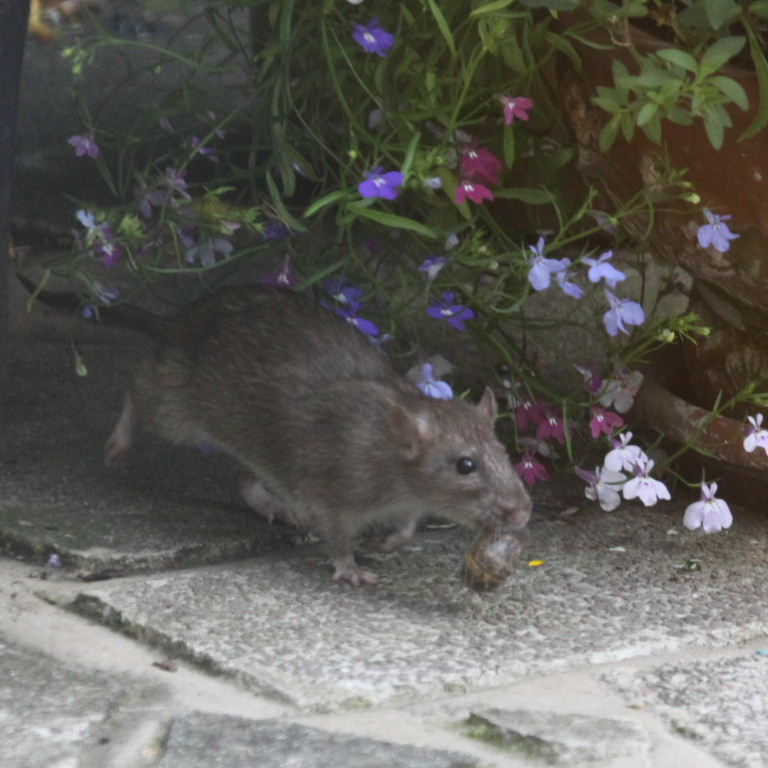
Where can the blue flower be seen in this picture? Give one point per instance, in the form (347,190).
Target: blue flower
(432,266)
(373,38)
(542,269)
(345,295)
(454,314)
(601,269)
(568,288)
(623,312)
(205,251)
(275,230)
(366,326)
(715,233)
(432,387)
(84,145)
(378,184)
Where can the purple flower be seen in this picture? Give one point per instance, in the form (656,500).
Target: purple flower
(148,199)
(601,269)
(84,145)
(592,382)
(345,295)
(366,326)
(709,513)
(285,277)
(378,184)
(454,314)
(515,108)
(530,470)
(603,486)
(623,312)
(199,148)
(757,437)
(432,266)
(275,230)
(542,269)
(176,182)
(110,253)
(206,250)
(373,38)
(475,192)
(432,387)
(716,232)
(642,486)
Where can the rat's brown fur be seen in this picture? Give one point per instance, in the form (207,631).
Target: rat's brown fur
(332,437)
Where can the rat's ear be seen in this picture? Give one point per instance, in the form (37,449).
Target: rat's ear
(412,431)
(488,405)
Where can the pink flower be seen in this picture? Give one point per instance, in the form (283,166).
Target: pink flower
(480,163)
(515,107)
(551,426)
(604,422)
(475,192)
(530,470)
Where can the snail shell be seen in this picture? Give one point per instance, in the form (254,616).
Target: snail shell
(491,560)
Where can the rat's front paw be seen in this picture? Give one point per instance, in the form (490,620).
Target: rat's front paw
(346,569)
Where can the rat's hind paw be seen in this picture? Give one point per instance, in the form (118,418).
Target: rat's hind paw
(346,569)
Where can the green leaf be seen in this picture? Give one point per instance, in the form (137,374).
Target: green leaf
(679,59)
(323,201)
(608,134)
(760,8)
(552,5)
(732,89)
(277,201)
(392,220)
(647,113)
(761,68)
(496,5)
(565,47)
(718,11)
(680,115)
(530,195)
(442,25)
(652,129)
(508,146)
(410,152)
(715,130)
(720,52)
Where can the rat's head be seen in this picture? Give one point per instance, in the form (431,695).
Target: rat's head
(456,465)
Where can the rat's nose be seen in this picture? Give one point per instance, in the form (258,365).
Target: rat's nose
(516,516)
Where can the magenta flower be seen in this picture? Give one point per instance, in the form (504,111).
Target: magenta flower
(84,145)
(604,422)
(715,232)
(515,108)
(373,38)
(475,192)
(378,184)
(528,414)
(482,164)
(285,277)
(551,426)
(709,513)
(601,269)
(453,313)
(622,312)
(530,470)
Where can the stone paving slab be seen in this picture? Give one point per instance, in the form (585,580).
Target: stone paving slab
(199,740)
(721,704)
(612,586)
(51,715)
(165,508)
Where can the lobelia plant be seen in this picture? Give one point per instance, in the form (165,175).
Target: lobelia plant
(427,139)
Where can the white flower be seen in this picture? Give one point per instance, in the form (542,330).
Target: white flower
(643,487)
(757,437)
(710,513)
(604,487)
(619,393)
(623,456)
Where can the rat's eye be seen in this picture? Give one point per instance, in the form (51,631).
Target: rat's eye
(465,465)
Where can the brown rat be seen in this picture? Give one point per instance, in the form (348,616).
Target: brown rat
(331,436)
